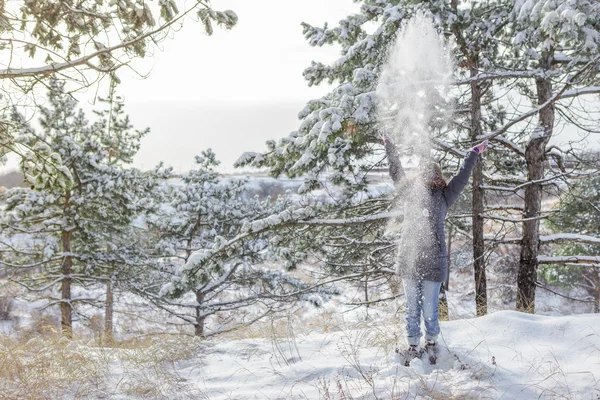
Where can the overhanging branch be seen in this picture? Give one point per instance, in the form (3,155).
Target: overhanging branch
(11,73)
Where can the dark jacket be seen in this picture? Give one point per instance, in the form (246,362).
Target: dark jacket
(422,252)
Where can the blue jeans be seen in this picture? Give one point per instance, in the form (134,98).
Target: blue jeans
(421,297)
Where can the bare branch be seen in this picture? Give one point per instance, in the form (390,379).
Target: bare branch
(570,238)
(557,95)
(590,300)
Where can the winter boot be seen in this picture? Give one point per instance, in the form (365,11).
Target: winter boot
(432,350)
(409,354)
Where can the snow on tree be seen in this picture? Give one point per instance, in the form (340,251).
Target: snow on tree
(74,38)
(339,136)
(202,213)
(474,30)
(78,230)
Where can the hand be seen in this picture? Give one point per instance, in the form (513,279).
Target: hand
(385,139)
(480,148)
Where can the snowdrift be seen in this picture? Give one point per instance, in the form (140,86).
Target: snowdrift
(505,355)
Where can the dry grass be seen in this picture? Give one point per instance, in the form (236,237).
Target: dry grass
(48,366)
(150,370)
(326,320)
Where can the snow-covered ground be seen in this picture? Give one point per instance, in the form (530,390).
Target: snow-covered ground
(332,352)
(504,355)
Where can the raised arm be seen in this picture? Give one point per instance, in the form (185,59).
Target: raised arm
(396,170)
(460,180)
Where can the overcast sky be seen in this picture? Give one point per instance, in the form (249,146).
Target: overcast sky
(231,91)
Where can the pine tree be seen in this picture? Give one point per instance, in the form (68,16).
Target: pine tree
(72,37)
(203,212)
(554,50)
(339,136)
(78,228)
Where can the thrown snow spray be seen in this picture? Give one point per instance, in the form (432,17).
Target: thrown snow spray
(411,90)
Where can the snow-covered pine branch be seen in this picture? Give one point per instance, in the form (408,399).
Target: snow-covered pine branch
(555,238)
(570,237)
(349,221)
(572,260)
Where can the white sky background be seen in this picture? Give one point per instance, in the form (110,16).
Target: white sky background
(231,91)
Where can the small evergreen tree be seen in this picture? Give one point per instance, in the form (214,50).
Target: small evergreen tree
(203,213)
(78,227)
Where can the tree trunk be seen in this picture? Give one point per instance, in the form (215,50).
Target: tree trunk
(535,156)
(65,304)
(527,275)
(597,291)
(199,325)
(477,203)
(108,314)
(449,253)
(443,304)
(366,290)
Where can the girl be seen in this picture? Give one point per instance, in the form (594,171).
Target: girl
(422,256)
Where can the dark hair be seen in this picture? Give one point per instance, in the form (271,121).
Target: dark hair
(438,181)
